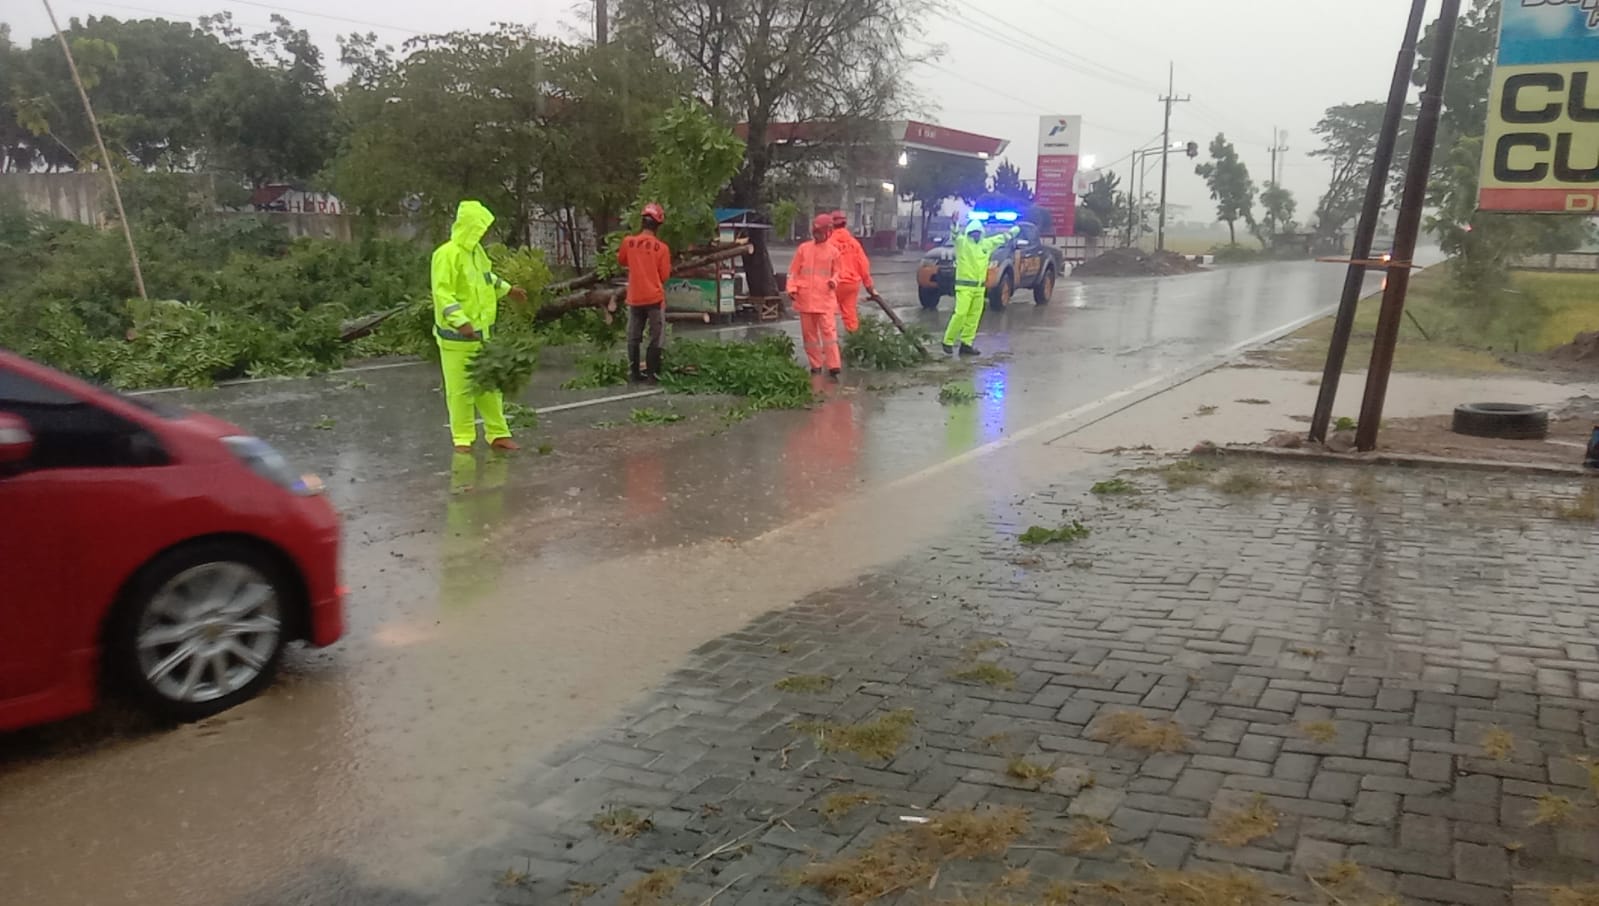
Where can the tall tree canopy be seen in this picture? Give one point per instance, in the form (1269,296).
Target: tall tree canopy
(837,64)
(1230,185)
(171,96)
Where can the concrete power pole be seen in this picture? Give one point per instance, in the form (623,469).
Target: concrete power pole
(602,25)
(1279,154)
(1165,151)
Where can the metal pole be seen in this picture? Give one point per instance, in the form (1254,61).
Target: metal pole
(1165,157)
(105,158)
(1165,151)
(602,30)
(1382,160)
(1407,229)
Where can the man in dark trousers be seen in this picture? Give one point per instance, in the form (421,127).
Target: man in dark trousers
(649,264)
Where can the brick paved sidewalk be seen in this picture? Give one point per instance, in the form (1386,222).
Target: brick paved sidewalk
(1394,670)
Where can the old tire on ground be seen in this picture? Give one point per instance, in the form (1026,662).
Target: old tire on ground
(1000,296)
(929,298)
(202,628)
(1044,289)
(1511,421)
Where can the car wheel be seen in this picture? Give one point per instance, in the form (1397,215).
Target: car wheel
(201,629)
(929,298)
(1045,288)
(1002,293)
(1511,421)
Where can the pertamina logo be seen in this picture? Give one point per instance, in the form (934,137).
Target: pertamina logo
(1062,125)
(1591,6)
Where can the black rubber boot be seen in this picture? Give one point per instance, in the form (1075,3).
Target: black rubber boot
(653,360)
(833,374)
(634,375)
(969,349)
(948,349)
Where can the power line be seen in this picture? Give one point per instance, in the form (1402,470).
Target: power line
(266,6)
(1048,55)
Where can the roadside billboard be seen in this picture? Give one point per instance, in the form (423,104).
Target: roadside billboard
(1060,142)
(1541,150)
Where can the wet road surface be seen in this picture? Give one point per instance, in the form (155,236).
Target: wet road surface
(500,607)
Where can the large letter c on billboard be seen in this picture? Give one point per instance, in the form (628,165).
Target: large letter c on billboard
(1511,112)
(1503,172)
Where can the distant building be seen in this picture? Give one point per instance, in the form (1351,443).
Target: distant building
(284,198)
(861,175)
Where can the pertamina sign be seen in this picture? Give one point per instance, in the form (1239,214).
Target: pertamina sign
(1060,140)
(1541,151)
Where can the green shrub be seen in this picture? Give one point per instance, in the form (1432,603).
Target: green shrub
(879,345)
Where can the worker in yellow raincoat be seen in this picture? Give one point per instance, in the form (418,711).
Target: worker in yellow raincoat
(466,303)
(972,253)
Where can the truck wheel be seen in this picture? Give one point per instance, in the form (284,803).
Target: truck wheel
(1000,296)
(929,298)
(1044,288)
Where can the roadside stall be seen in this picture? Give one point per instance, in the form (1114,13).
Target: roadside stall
(722,292)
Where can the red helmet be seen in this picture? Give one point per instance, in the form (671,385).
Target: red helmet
(655,212)
(840,218)
(822,222)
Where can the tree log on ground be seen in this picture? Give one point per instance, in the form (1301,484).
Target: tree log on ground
(609,299)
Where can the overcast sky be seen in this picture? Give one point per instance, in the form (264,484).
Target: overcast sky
(1250,65)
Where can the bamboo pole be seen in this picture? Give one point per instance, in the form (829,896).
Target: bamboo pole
(105,158)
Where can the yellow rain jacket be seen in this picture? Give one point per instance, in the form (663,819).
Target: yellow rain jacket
(465,288)
(972,258)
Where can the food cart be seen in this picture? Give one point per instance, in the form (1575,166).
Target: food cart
(721,292)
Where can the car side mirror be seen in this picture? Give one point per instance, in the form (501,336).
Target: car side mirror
(16,440)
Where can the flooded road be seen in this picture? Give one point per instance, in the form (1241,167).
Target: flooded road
(500,607)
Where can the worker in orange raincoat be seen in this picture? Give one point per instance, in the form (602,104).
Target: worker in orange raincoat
(854,271)
(649,265)
(813,285)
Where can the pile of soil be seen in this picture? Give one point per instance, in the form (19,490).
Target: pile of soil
(1136,263)
(1583,350)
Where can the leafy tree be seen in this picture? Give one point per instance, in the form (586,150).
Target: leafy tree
(693,159)
(1349,135)
(458,116)
(1008,182)
(604,104)
(268,110)
(171,96)
(1277,208)
(1470,71)
(1483,244)
(1102,200)
(836,65)
(1230,186)
(930,177)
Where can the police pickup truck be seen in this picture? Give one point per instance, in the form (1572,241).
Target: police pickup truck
(1024,263)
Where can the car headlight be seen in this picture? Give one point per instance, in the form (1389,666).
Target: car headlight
(264,460)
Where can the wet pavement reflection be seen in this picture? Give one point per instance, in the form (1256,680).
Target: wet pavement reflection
(503,605)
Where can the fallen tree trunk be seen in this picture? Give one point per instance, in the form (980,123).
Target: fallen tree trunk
(609,299)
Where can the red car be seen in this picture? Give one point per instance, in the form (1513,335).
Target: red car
(150,550)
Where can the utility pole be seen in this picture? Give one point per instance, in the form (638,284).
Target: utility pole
(1366,227)
(1279,154)
(1165,151)
(1406,230)
(602,25)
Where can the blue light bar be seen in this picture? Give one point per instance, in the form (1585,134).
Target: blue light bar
(1007,216)
(981,215)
